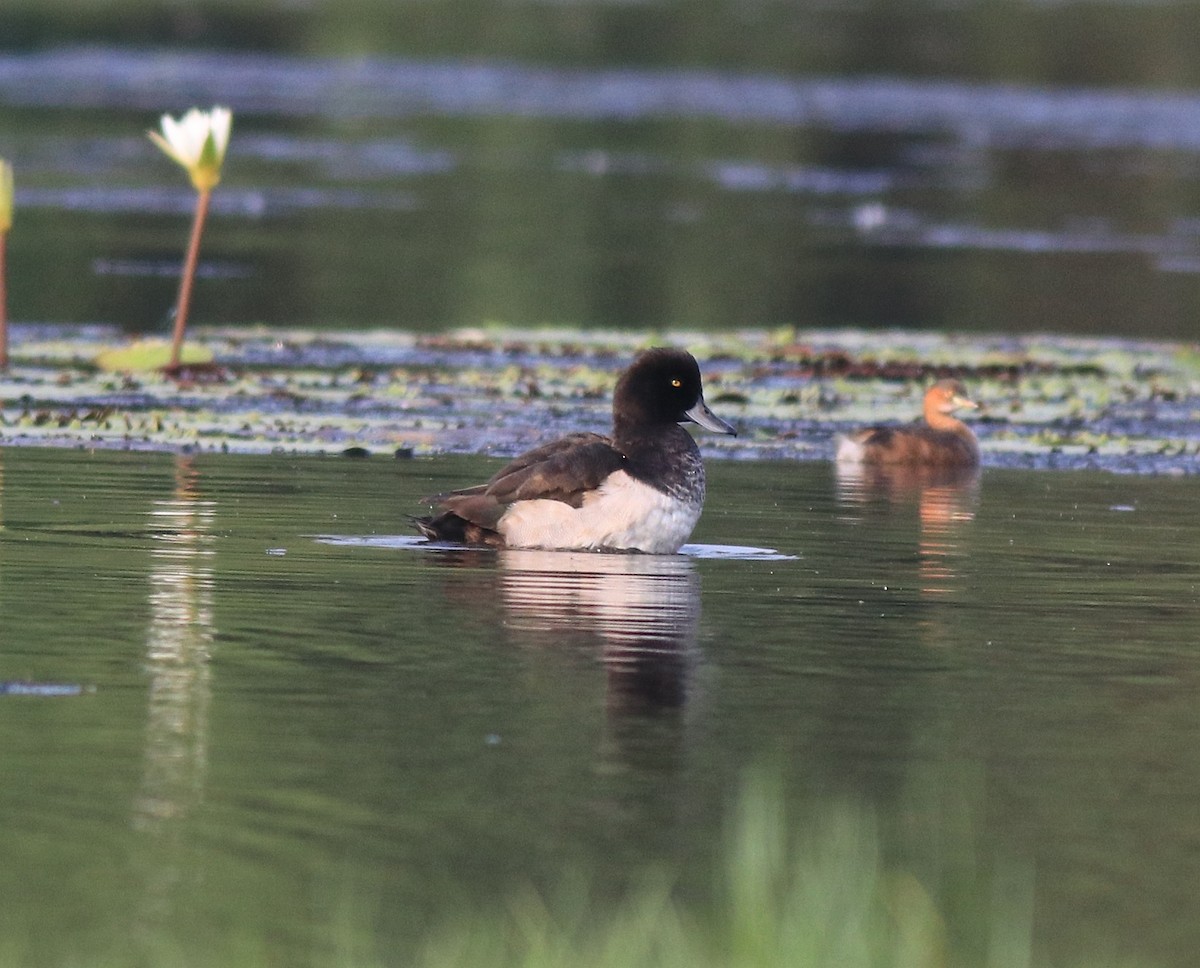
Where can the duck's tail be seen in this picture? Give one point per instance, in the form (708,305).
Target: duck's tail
(425,526)
(449,527)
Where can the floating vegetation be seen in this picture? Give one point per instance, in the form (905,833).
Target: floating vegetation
(1110,404)
(150,354)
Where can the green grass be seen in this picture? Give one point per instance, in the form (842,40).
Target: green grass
(815,895)
(820,897)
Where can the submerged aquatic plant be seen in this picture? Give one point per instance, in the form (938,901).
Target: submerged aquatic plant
(196,142)
(810,896)
(6,218)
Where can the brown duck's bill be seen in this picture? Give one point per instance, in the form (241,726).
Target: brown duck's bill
(707,419)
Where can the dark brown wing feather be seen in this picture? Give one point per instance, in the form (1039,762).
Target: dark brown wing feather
(563,470)
(556,448)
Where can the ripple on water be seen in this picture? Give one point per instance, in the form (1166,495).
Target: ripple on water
(412,542)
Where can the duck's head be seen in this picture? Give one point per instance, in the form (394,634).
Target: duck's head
(663,386)
(946,396)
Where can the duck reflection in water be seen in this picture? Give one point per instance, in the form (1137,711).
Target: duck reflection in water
(643,610)
(945,498)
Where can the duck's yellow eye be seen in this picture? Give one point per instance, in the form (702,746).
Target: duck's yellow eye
(677,383)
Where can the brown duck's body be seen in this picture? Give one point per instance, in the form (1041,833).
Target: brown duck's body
(941,441)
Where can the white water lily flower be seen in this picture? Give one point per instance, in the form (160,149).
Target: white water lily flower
(6,196)
(197,141)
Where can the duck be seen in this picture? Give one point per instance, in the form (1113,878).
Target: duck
(639,489)
(941,441)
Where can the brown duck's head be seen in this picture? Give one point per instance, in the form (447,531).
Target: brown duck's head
(946,396)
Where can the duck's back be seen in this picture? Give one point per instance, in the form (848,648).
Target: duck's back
(562,470)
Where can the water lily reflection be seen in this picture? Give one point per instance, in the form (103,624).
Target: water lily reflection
(945,498)
(643,609)
(178,648)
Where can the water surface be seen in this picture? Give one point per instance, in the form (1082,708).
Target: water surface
(334,746)
(1003,167)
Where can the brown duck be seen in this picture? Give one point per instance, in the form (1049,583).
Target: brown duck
(942,440)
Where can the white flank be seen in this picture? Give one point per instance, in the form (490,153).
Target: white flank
(849,450)
(623,514)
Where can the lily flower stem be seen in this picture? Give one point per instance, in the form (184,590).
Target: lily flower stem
(188,276)
(3,303)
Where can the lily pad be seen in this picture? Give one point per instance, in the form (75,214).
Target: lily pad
(1050,401)
(149,354)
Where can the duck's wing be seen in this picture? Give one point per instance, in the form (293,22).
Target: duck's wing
(579,447)
(562,470)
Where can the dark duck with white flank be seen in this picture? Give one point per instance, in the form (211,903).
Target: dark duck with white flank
(641,489)
(941,441)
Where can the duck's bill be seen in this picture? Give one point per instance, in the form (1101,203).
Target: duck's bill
(707,419)
(964,402)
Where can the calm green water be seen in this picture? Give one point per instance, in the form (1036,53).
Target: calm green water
(301,751)
(1002,166)
(300,740)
